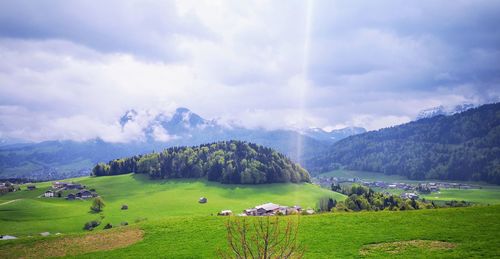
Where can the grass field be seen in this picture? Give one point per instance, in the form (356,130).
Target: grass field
(488,194)
(464,233)
(24,213)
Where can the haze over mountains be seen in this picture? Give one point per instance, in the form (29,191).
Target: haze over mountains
(154,131)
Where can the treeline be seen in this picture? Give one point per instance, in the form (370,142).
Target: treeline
(233,162)
(464,146)
(362,198)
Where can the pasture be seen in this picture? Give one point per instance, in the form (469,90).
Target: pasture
(25,213)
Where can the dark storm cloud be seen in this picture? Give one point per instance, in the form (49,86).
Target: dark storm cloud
(143,28)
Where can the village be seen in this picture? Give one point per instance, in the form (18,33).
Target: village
(409,190)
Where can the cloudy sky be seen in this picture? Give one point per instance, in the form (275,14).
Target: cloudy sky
(70,69)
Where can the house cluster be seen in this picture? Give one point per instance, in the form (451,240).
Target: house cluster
(82,194)
(269,209)
(59,187)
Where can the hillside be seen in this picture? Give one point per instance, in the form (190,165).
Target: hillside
(464,146)
(24,213)
(226,162)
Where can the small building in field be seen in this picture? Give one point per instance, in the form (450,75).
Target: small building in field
(124,207)
(48,194)
(31,187)
(309,211)
(225,213)
(202,200)
(409,195)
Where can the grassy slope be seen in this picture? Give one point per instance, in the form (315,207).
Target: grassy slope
(473,230)
(489,194)
(146,200)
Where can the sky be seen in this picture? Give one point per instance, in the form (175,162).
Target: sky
(71,69)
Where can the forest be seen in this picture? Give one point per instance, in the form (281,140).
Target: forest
(464,146)
(230,162)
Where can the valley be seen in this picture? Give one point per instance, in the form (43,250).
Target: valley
(479,193)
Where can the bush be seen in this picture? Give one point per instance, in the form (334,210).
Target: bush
(91,225)
(124,223)
(97,205)
(124,207)
(108,226)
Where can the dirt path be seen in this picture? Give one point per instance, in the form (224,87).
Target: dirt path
(7,202)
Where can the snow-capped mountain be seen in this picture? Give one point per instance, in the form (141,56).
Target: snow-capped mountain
(442,110)
(186,127)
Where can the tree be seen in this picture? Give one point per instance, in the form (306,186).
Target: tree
(265,237)
(325,204)
(97,204)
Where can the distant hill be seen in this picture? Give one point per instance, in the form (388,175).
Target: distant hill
(232,162)
(463,146)
(63,159)
(333,135)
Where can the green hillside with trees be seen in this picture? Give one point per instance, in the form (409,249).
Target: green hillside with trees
(464,146)
(226,162)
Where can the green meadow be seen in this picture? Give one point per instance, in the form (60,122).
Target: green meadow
(166,220)
(459,233)
(25,213)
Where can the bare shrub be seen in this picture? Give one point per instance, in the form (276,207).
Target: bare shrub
(262,238)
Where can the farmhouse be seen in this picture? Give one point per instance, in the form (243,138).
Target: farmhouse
(49,194)
(84,194)
(58,185)
(267,209)
(71,196)
(225,213)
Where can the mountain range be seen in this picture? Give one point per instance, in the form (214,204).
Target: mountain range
(158,130)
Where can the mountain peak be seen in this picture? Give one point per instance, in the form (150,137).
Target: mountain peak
(442,110)
(128,116)
(182,110)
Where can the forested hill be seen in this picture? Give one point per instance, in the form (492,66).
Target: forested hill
(464,146)
(225,162)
